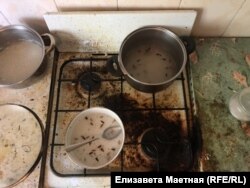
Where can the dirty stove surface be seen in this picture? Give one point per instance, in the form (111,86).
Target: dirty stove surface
(158,127)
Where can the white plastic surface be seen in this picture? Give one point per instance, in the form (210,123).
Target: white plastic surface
(104,31)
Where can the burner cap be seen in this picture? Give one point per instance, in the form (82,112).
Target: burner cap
(153,142)
(90,81)
(171,154)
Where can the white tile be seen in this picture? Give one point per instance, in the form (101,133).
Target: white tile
(240,24)
(28,12)
(148,4)
(78,5)
(213,16)
(3,20)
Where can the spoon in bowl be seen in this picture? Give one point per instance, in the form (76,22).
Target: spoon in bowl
(108,134)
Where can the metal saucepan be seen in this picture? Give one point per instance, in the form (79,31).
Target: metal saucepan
(150,58)
(22,54)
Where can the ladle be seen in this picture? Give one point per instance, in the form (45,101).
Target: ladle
(108,134)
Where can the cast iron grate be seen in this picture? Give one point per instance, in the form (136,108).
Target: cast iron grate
(172,153)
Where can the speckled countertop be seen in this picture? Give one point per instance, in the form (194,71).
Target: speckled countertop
(221,64)
(35,97)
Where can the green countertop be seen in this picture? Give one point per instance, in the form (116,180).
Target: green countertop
(220,66)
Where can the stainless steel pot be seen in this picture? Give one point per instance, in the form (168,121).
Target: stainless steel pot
(22,54)
(150,58)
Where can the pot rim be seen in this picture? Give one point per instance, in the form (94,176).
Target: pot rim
(159,28)
(26,28)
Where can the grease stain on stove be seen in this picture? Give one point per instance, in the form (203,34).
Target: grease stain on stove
(135,123)
(139,112)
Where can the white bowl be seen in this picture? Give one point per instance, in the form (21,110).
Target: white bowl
(90,124)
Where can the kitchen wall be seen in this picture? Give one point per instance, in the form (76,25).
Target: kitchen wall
(215,17)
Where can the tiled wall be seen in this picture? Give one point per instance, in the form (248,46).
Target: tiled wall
(215,17)
(28,12)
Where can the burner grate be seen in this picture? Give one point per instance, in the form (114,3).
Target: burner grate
(169,110)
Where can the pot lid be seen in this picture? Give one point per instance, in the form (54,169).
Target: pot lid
(21,138)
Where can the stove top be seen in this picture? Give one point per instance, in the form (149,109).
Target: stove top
(158,126)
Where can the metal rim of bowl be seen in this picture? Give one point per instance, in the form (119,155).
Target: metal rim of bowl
(42,143)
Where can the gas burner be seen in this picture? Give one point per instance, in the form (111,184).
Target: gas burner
(171,154)
(90,83)
(153,142)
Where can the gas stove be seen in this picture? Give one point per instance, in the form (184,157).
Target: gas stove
(159,128)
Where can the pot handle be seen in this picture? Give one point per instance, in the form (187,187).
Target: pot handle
(48,39)
(113,66)
(189,44)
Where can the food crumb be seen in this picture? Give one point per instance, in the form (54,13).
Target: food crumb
(246,128)
(194,57)
(240,78)
(102,123)
(247,59)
